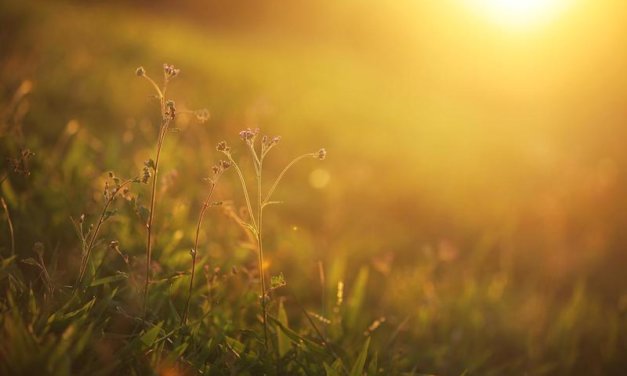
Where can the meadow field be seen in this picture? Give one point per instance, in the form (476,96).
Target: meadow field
(457,203)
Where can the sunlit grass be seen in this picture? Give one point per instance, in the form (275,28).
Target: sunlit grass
(468,220)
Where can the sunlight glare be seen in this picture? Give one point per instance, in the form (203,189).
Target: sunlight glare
(519,13)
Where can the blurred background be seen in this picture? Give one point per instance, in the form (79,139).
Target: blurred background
(476,171)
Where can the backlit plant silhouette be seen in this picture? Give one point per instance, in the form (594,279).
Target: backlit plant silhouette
(258,152)
(168,114)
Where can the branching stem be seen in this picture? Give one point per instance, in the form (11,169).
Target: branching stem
(94,234)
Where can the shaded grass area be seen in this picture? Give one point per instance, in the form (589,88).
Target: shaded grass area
(403,279)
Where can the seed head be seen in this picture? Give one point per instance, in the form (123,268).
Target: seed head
(202,115)
(140,72)
(225,165)
(269,142)
(249,135)
(145,174)
(170,71)
(223,147)
(321,154)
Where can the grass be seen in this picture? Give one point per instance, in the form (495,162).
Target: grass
(403,263)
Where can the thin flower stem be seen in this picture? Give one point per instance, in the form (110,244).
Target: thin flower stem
(94,235)
(154,84)
(203,210)
(243,182)
(260,246)
(11,233)
(153,196)
(257,161)
(278,179)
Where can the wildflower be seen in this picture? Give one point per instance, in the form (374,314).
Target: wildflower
(222,146)
(170,71)
(202,115)
(145,175)
(140,72)
(225,165)
(249,135)
(321,154)
(269,142)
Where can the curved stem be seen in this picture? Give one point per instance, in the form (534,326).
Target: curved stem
(153,195)
(10,222)
(154,84)
(243,182)
(94,235)
(203,210)
(260,246)
(278,179)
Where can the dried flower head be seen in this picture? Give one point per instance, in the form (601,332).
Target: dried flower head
(149,166)
(224,165)
(145,175)
(170,71)
(20,165)
(202,115)
(269,142)
(170,109)
(321,154)
(249,135)
(223,147)
(140,72)
(219,168)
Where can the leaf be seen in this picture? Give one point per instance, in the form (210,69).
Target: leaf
(358,367)
(268,203)
(373,367)
(330,371)
(69,315)
(357,297)
(282,339)
(235,345)
(150,336)
(31,261)
(5,263)
(109,279)
(298,340)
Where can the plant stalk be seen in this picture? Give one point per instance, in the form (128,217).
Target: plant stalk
(203,210)
(153,196)
(94,235)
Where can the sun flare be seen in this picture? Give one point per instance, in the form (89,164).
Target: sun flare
(519,13)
